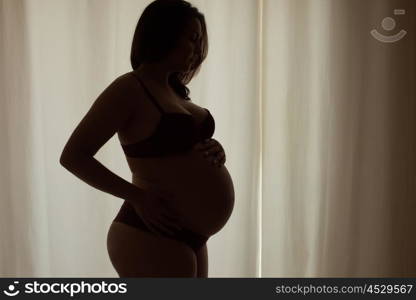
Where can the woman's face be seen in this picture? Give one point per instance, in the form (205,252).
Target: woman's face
(188,48)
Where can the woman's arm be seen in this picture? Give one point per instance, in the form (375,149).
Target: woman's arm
(91,171)
(109,113)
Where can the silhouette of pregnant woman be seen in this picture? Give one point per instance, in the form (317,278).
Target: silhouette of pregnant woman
(181,192)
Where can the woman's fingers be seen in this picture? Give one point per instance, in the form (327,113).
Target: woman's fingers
(159,227)
(214,154)
(152,228)
(212,149)
(222,160)
(173,221)
(205,144)
(220,157)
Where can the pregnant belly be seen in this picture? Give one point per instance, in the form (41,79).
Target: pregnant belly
(203,193)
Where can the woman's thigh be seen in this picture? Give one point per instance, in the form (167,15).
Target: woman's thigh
(138,253)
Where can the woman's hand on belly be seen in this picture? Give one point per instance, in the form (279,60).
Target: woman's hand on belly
(213,151)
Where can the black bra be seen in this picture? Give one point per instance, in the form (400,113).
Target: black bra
(175,133)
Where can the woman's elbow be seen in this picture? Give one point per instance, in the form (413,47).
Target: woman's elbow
(65,159)
(69,159)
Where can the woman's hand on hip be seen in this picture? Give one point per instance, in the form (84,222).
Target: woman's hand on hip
(155,213)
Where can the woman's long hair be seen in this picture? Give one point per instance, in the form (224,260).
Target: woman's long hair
(158,30)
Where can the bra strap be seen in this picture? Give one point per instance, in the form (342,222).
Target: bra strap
(148,93)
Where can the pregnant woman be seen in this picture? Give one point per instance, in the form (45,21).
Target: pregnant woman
(181,192)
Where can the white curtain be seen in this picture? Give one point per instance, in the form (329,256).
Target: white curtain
(316,116)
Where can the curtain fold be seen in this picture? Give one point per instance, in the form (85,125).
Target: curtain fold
(338,169)
(316,116)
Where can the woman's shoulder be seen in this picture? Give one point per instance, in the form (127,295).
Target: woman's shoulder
(129,83)
(128,77)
